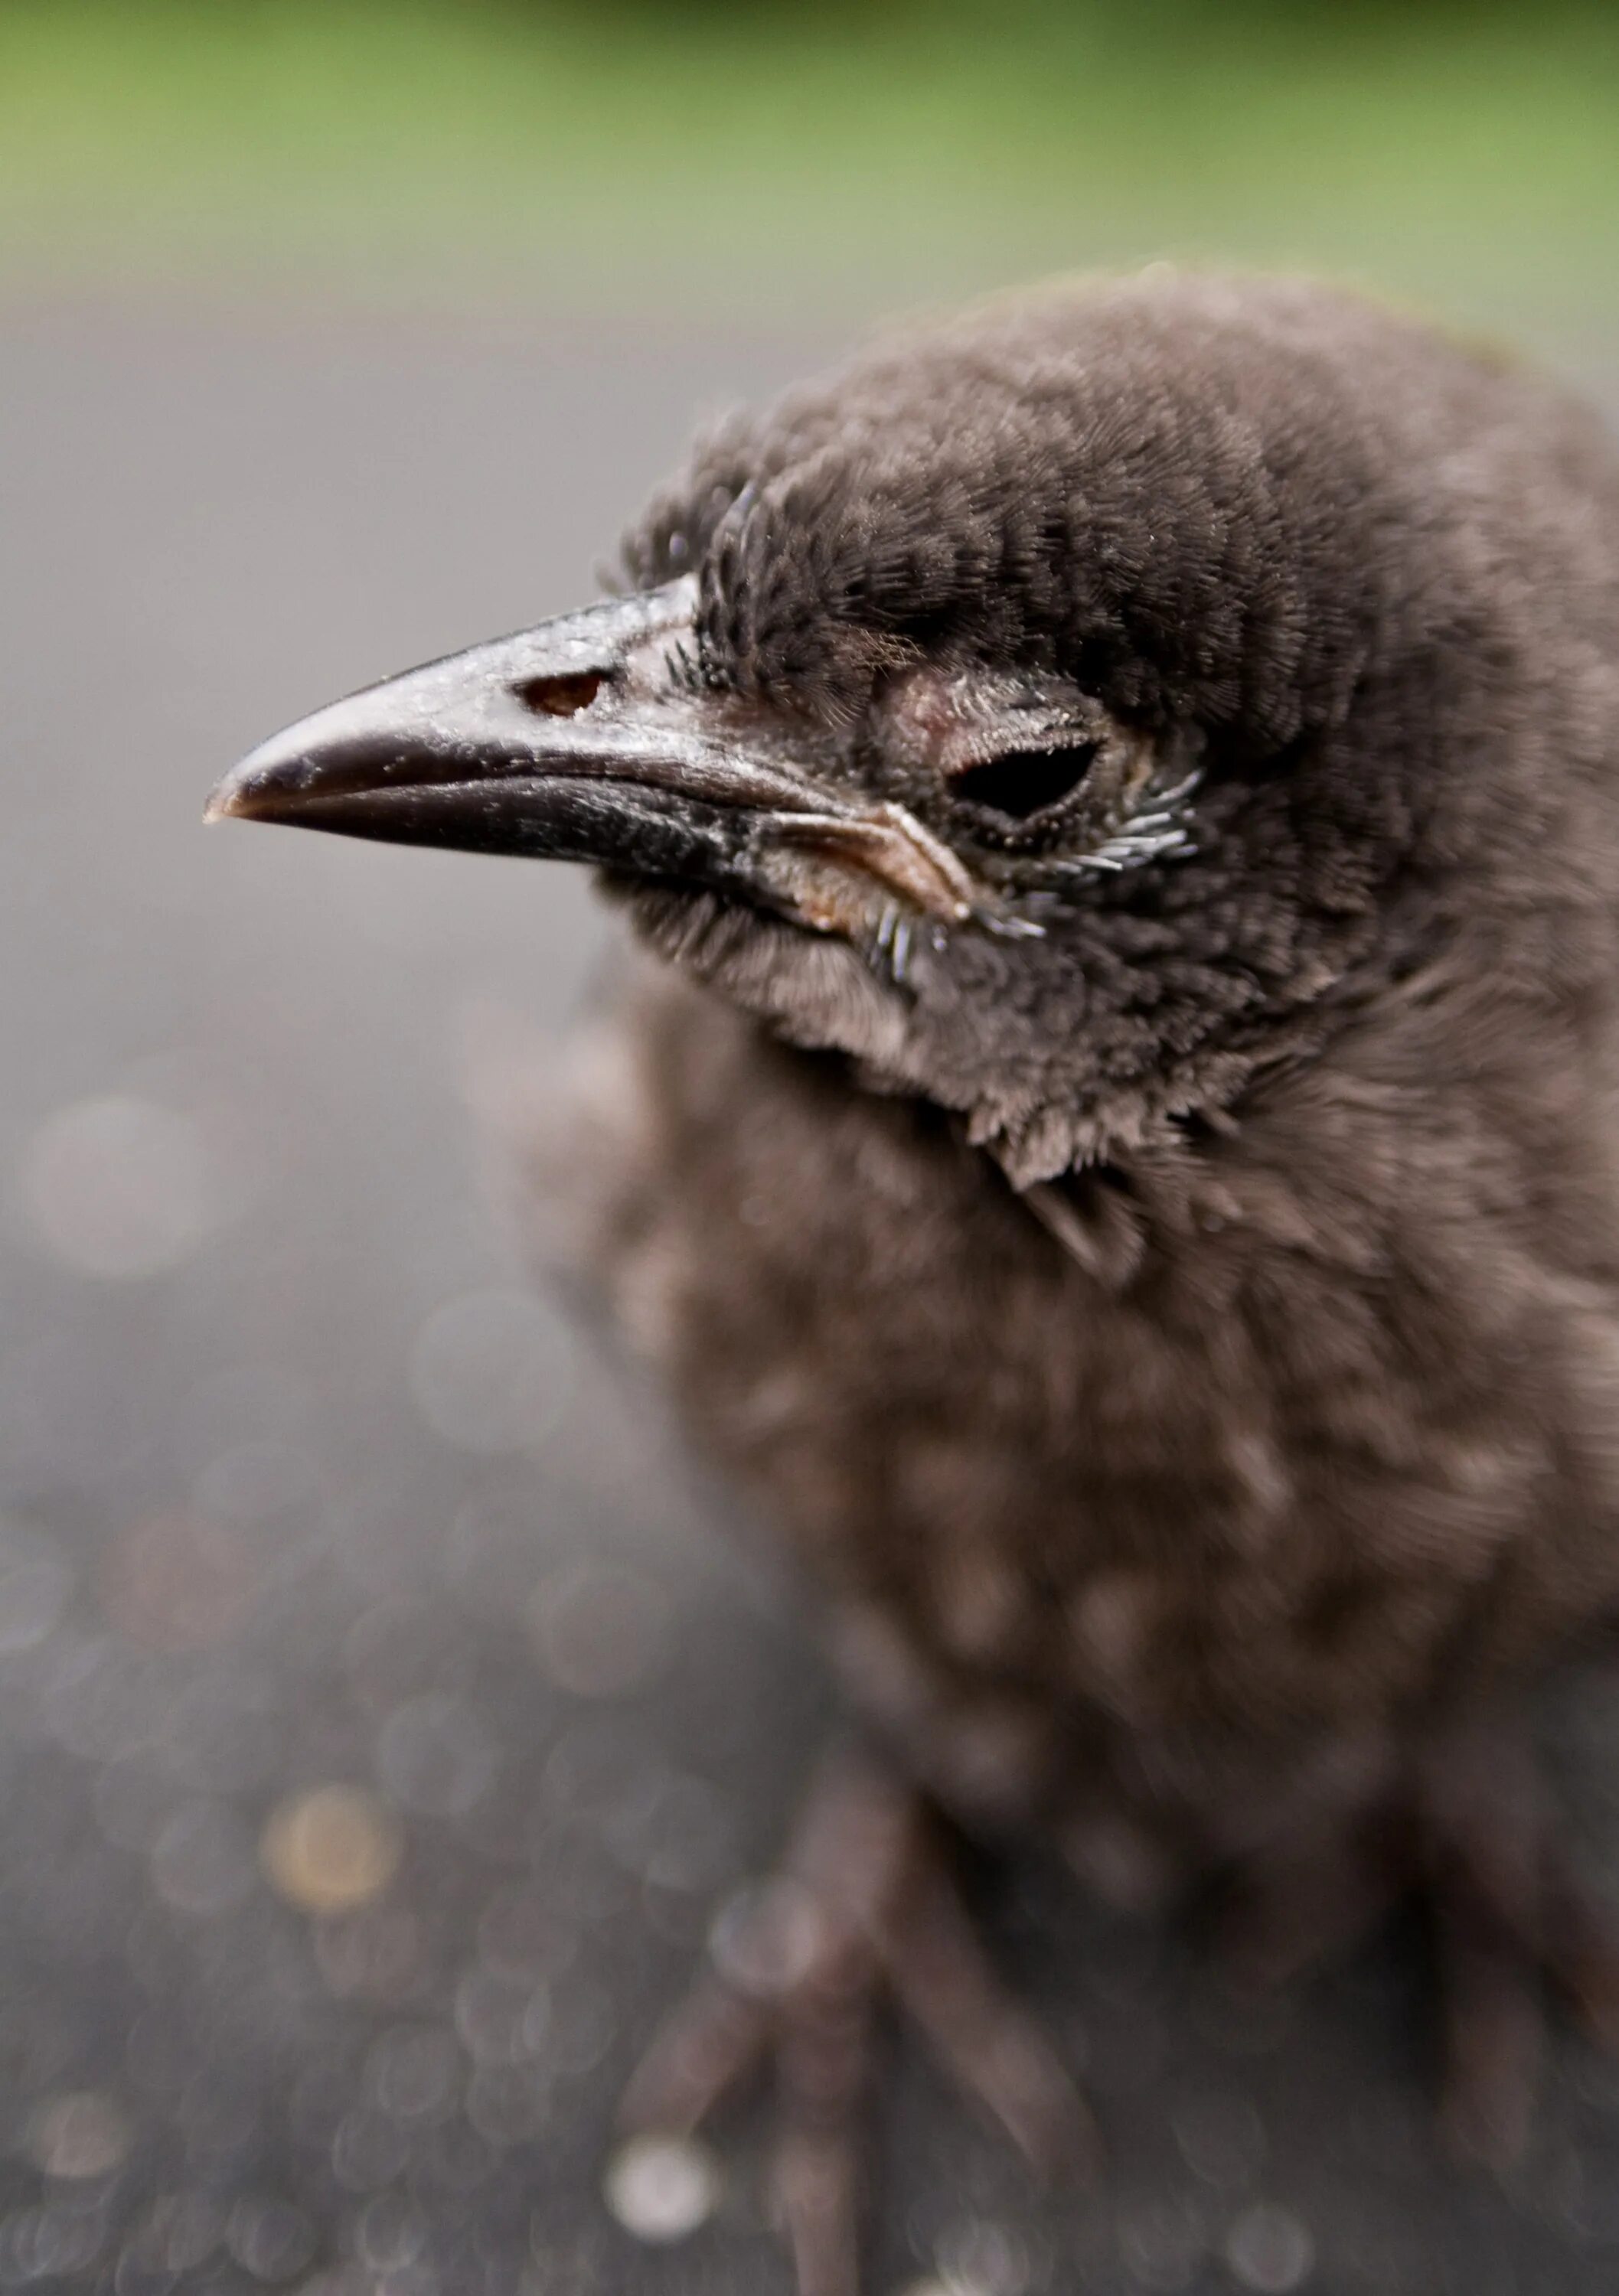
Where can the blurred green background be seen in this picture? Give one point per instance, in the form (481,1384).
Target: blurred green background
(780,161)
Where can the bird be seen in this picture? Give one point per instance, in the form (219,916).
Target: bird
(1110,1139)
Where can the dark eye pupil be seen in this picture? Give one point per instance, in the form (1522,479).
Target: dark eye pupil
(1026,780)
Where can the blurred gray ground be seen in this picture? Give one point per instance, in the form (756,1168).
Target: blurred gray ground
(381,1718)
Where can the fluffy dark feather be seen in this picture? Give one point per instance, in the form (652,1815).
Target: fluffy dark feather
(1246,1420)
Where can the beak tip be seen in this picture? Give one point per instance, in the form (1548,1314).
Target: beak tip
(224,802)
(251,790)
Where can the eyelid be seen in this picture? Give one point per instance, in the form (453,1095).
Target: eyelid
(1034,733)
(948,722)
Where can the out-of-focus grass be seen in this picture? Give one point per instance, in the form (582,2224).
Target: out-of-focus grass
(777,159)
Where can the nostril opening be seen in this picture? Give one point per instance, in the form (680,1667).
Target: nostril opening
(562,696)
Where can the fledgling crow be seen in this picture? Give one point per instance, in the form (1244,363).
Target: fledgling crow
(1120,1153)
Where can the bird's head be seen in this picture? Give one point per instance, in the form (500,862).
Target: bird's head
(1047,713)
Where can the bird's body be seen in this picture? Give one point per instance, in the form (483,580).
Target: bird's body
(1168,1509)
(1277,1422)
(1118,1154)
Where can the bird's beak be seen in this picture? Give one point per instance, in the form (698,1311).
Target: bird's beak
(588,739)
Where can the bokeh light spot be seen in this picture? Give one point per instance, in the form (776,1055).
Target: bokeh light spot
(389,2232)
(436,1756)
(490,1370)
(80,2135)
(599,1630)
(1270,2250)
(1161,2243)
(412,2070)
(977,2257)
(120,1187)
(271,2239)
(177,1582)
(331,1849)
(662,2188)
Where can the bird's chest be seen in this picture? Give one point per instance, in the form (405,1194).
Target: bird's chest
(1018,1483)
(1156,1492)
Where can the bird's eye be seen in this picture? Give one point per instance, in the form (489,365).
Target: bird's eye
(1024,782)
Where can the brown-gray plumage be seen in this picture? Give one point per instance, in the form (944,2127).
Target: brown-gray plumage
(1120,1154)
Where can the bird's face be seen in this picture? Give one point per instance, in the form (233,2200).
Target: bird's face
(839,874)
(960,797)
(987,717)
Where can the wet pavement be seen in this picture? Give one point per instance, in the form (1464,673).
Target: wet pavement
(383,1716)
